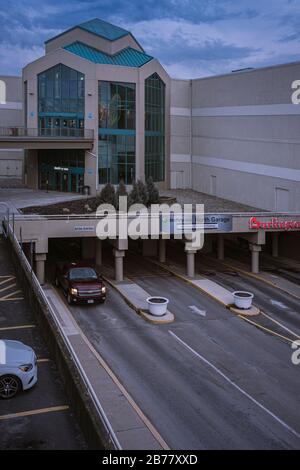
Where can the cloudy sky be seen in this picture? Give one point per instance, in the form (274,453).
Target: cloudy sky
(191,38)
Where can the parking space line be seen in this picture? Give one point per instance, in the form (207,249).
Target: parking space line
(5,276)
(19,327)
(9,296)
(51,409)
(236,386)
(7,280)
(8,287)
(46,359)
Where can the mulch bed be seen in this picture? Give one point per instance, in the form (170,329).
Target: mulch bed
(79,206)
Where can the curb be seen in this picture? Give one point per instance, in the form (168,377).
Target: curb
(168,318)
(252,312)
(255,276)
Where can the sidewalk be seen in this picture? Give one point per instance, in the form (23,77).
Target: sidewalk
(24,197)
(208,287)
(271,279)
(131,426)
(135,296)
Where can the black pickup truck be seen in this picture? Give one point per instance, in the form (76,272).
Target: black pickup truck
(80,283)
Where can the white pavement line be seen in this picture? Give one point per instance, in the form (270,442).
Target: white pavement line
(8,287)
(280,324)
(197,310)
(6,280)
(270,413)
(8,296)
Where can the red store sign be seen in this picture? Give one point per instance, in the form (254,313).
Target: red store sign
(274,224)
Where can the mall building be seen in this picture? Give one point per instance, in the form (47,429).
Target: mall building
(96,108)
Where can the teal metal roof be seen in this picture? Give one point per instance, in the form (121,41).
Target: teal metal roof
(103,29)
(99,28)
(128,57)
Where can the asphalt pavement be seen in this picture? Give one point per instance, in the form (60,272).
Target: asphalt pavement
(209,380)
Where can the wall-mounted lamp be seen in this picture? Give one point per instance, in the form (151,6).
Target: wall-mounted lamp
(31,93)
(89,94)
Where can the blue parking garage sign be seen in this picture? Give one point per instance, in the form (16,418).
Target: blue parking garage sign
(187,223)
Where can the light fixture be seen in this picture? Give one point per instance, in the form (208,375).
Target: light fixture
(89,94)
(31,93)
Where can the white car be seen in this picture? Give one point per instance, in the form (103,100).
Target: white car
(18,368)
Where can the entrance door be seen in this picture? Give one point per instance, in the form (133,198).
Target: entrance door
(45,182)
(58,181)
(62,181)
(65,181)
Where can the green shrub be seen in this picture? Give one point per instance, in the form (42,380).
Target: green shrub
(107,194)
(121,191)
(153,192)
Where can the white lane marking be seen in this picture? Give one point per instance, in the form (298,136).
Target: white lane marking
(197,310)
(276,303)
(275,417)
(280,324)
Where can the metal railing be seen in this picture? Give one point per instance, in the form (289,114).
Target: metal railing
(17,246)
(51,132)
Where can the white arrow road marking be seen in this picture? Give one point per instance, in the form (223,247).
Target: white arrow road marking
(276,303)
(197,310)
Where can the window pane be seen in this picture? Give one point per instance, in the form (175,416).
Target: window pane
(154,128)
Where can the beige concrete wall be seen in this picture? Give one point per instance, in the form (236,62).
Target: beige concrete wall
(11,115)
(180,154)
(269,85)
(93,73)
(245,134)
(32,169)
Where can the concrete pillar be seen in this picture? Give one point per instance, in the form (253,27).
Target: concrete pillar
(190,263)
(255,250)
(275,237)
(119,255)
(40,259)
(220,247)
(88,248)
(98,252)
(162,250)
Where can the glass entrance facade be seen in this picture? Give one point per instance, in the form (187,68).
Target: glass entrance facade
(61,101)
(117,115)
(155,128)
(61,170)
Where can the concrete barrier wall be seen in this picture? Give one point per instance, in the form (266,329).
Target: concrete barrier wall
(95,433)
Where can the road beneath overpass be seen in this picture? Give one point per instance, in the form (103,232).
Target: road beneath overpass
(207,381)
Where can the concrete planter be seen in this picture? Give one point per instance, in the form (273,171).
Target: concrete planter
(157,306)
(243,300)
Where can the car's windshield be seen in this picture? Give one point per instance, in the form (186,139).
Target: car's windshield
(82,273)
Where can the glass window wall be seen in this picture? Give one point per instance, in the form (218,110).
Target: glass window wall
(155,128)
